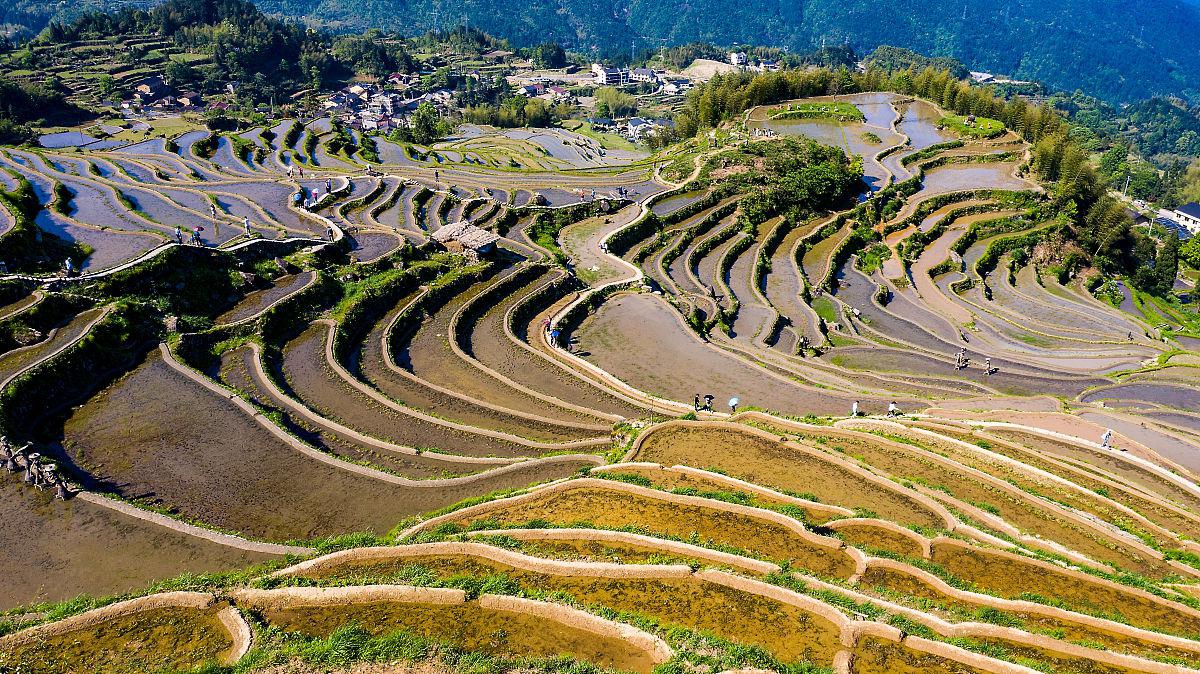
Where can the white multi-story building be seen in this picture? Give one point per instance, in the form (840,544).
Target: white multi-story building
(1188,215)
(607,76)
(642,75)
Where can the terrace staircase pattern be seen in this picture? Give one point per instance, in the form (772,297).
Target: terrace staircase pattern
(511,419)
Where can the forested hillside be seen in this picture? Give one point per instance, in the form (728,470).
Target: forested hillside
(1119,51)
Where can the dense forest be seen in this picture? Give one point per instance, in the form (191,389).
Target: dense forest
(22,105)
(1117,51)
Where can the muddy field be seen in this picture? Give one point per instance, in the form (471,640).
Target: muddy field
(777,465)
(211,466)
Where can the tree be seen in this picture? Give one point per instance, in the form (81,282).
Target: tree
(1189,252)
(425,124)
(619,103)
(106,86)
(179,74)
(549,55)
(1166,265)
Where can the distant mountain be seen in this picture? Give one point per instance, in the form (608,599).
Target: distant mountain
(1119,50)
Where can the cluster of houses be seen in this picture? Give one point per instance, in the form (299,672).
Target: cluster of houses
(374,107)
(155,94)
(744,62)
(635,128)
(539,87)
(609,76)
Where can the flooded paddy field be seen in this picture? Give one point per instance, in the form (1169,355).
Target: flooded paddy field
(129,439)
(436,417)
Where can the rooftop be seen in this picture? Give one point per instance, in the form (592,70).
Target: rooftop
(1192,209)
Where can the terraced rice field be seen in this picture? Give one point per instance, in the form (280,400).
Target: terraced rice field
(510,453)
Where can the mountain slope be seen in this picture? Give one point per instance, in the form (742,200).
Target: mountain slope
(1117,50)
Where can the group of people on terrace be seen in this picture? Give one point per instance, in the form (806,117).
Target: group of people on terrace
(893,410)
(962,360)
(708,403)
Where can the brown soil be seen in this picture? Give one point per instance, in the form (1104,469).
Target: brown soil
(919,594)
(470,627)
(418,395)
(616,552)
(902,462)
(1065,664)
(14,361)
(1117,491)
(871,537)
(237,371)
(777,465)
(52,550)
(787,632)
(148,641)
(640,339)
(1012,578)
(874,655)
(158,436)
(260,300)
(670,480)
(1136,475)
(609,508)
(491,345)
(313,382)
(428,355)
(17,307)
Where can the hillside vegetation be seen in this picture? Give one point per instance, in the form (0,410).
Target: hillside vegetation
(1118,51)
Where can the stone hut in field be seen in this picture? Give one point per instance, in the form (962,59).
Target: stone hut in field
(466,239)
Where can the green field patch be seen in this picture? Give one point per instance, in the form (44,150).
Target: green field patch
(979,127)
(836,110)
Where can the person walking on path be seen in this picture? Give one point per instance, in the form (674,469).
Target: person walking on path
(987,362)
(212,211)
(854,409)
(329,185)
(246,224)
(697,403)
(708,401)
(178,235)
(291,169)
(330,232)
(893,410)
(733,403)
(1106,439)
(196,236)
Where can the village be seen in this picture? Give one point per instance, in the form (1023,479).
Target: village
(384,105)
